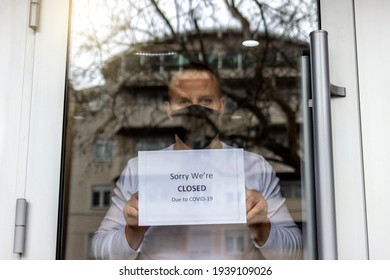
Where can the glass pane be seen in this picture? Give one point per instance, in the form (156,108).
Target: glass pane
(175,75)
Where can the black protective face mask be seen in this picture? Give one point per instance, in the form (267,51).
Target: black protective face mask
(196,126)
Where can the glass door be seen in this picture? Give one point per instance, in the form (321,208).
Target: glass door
(122,59)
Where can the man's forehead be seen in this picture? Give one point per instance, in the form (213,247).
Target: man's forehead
(193,82)
(191,76)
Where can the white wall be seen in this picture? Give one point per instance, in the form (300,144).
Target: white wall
(32,97)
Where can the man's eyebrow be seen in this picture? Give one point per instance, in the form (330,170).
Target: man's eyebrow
(181,98)
(209,95)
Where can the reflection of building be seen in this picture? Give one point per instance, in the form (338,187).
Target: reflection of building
(112,122)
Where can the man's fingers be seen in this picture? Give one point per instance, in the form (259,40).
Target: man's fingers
(134,200)
(256,206)
(259,208)
(133,212)
(252,197)
(130,210)
(250,203)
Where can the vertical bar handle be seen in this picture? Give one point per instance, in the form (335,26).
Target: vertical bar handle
(323,150)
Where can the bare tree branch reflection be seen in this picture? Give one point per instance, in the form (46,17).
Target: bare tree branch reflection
(114,89)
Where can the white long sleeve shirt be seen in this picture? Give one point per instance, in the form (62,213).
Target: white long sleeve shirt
(202,241)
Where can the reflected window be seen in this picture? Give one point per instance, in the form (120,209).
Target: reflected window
(235,242)
(200,242)
(101,196)
(103,150)
(231,61)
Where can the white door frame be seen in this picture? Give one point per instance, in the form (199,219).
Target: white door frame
(373,40)
(32,90)
(337,18)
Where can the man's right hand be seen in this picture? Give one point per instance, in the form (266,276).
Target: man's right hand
(134,233)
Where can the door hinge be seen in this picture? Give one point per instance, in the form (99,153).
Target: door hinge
(20,225)
(34,14)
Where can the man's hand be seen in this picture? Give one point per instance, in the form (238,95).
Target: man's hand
(134,233)
(130,211)
(256,216)
(256,207)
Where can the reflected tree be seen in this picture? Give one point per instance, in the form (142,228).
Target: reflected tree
(123,53)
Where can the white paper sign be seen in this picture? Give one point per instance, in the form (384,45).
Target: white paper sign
(189,187)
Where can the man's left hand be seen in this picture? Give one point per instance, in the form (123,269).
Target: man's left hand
(256,215)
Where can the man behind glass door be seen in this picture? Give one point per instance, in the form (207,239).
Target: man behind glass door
(195,92)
